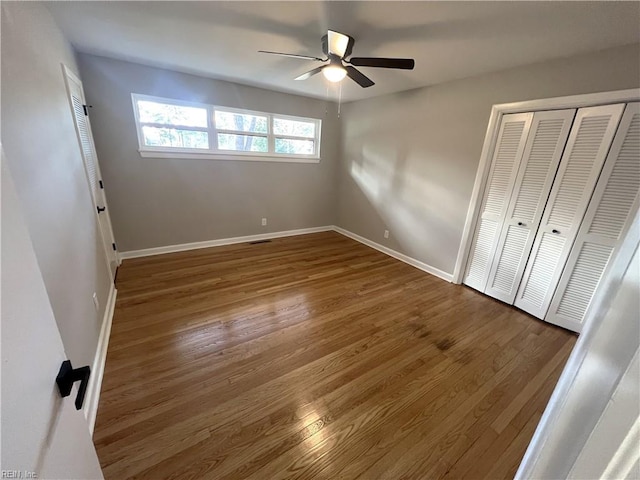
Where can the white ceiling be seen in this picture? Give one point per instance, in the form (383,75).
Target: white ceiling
(448,40)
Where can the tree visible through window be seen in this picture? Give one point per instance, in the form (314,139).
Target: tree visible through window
(240,122)
(162,117)
(171,125)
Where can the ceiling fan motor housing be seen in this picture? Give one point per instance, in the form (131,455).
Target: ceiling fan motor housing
(325,46)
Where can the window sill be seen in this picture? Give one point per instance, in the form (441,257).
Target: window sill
(227,157)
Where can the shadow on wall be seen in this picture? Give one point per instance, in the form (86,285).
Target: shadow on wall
(402,187)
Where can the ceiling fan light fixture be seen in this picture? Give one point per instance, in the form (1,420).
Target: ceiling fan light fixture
(337,48)
(334,72)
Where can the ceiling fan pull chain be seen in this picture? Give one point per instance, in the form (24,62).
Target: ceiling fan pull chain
(339,98)
(326,108)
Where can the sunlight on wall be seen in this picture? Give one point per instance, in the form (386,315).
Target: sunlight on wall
(397,185)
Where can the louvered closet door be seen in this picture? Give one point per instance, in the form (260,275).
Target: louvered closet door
(545,144)
(607,221)
(92,169)
(512,137)
(584,155)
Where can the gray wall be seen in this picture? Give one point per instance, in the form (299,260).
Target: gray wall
(159,201)
(409,160)
(43,156)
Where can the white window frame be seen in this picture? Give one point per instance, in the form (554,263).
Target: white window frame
(213,152)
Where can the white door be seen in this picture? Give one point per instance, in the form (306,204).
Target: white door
(545,144)
(607,221)
(584,155)
(43,436)
(80,112)
(504,167)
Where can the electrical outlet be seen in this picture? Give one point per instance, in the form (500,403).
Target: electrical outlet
(386,234)
(96,303)
(264,222)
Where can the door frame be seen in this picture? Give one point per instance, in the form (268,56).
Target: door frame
(69,75)
(491,136)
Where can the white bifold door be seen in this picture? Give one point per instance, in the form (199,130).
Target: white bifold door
(516,193)
(537,170)
(584,156)
(607,221)
(504,167)
(561,194)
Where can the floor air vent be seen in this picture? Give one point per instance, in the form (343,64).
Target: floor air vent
(259,241)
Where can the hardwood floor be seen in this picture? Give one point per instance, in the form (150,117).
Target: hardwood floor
(316,357)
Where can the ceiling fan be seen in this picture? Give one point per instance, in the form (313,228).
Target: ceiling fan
(337,47)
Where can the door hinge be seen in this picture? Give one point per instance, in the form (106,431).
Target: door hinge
(100,183)
(114,247)
(86,109)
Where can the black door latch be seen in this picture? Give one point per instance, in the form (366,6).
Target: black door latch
(66,378)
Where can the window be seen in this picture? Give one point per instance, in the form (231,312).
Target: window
(169,127)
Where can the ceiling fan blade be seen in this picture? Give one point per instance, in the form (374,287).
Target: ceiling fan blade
(293,55)
(336,43)
(359,77)
(402,63)
(310,73)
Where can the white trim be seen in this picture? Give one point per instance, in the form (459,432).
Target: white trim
(214,152)
(146,252)
(490,138)
(71,74)
(497,111)
(571,101)
(97,369)
(395,254)
(225,157)
(616,436)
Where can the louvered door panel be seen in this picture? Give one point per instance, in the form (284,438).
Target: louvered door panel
(545,144)
(92,168)
(582,161)
(510,251)
(510,145)
(86,145)
(585,275)
(607,221)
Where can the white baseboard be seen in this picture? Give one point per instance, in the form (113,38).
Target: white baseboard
(222,241)
(397,255)
(97,369)
(288,233)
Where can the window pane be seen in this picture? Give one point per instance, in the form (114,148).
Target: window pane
(171,137)
(294,128)
(240,122)
(296,147)
(242,143)
(153,112)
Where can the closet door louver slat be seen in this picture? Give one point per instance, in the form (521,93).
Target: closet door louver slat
(510,145)
(581,163)
(545,144)
(608,218)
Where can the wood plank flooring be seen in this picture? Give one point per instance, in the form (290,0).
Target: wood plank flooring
(316,357)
